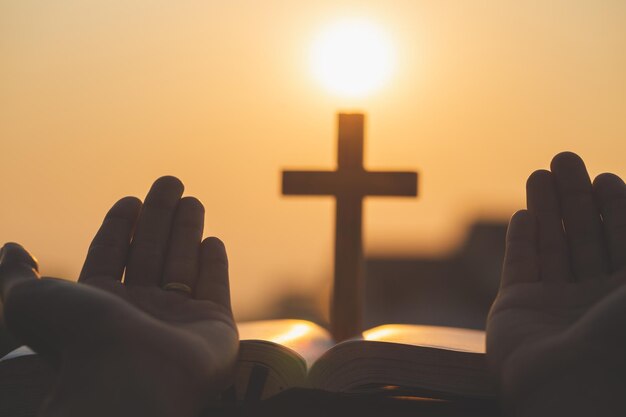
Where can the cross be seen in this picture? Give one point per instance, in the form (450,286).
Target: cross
(349,184)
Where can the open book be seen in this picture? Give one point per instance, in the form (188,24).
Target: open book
(398,360)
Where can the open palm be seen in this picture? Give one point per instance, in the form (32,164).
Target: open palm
(131,347)
(557,325)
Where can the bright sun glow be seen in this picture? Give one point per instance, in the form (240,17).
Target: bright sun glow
(352,58)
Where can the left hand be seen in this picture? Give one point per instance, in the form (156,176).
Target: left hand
(131,348)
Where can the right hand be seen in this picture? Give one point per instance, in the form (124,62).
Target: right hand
(556,333)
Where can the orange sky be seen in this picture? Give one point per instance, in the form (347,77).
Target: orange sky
(97,99)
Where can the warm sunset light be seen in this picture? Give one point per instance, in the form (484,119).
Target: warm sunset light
(302,207)
(352,57)
(107,96)
(280,331)
(466,340)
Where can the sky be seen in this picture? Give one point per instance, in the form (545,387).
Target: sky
(98,99)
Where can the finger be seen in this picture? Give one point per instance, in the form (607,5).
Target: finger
(543,204)
(17,265)
(18,276)
(213,279)
(182,262)
(610,192)
(581,218)
(521,263)
(149,245)
(108,251)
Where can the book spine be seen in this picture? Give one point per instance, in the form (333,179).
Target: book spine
(256,384)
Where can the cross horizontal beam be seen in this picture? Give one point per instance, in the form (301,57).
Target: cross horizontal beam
(359,183)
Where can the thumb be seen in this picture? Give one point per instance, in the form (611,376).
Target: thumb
(17,265)
(605,320)
(25,298)
(51,315)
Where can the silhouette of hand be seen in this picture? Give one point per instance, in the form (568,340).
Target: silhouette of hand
(131,348)
(555,334)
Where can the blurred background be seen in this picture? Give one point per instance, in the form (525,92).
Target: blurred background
(98,99)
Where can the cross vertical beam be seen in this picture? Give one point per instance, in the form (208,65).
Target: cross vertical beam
(346,308)
(349,184)
(350,142)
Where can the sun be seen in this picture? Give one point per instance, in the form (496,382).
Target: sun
(352,58)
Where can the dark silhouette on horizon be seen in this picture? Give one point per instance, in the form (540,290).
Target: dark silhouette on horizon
(455,288)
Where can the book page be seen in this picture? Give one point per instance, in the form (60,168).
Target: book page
(19,352)
(450,338)
(304,337)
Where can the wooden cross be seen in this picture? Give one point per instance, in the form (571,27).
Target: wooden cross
(349,184)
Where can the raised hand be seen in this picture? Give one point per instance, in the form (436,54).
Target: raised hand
(161,341)
(556,333)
